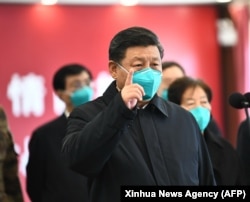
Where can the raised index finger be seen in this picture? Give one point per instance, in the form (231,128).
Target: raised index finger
(129,79)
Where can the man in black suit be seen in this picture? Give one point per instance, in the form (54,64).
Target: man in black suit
(48,177)
(131,136)
(243,146)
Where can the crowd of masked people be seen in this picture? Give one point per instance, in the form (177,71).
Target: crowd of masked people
(153,125)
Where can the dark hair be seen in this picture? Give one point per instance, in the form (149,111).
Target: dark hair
(169,64)
(179,86)
(68,70)
(131,37)
(3,120)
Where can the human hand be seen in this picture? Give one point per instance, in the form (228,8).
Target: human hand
(131,92)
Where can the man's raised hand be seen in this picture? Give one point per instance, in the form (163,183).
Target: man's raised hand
(131,92)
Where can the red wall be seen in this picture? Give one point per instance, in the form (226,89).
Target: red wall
(40,39)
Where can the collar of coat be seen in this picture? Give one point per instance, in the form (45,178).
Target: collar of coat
(155,103)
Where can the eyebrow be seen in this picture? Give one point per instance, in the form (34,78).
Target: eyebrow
(143,58)
(187,99)
(191,99)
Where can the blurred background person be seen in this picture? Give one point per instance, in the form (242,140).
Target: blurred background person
(195,96)
(48,177)
(243,146)
(10,188)
(172,70)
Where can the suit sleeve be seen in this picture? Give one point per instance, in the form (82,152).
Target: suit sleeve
(243,147)
(206,174)
(92,136)
(34,169)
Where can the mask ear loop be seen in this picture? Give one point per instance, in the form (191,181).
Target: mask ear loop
(122,67)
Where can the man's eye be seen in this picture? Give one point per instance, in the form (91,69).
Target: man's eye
(77,85)
(155,65)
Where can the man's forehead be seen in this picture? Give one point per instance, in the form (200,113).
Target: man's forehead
(142,53)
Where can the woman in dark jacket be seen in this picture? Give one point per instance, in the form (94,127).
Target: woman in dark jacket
(10,188)
(195,96)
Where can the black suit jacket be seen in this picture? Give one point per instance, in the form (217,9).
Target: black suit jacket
(48,177)
(243,146)
(158,145)
(227,166)
(213,127)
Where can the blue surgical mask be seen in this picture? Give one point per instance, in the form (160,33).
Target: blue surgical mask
(149,79)
(81,96)
(164,94)
(202,116)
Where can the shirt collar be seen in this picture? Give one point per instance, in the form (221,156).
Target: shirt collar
(66,113)
(161,104)
(157,101)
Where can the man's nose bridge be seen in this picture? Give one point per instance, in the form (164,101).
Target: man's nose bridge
(147,64)
(80,85)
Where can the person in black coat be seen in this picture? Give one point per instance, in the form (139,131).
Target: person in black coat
(243,146)
(131,136)
(48,177)
(171,70)
(10,186)
(195,96)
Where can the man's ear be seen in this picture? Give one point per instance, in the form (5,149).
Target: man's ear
(113,69)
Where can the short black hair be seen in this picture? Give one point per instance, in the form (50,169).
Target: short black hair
(169,64)
(179,86)
(131,37)
(68,70)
